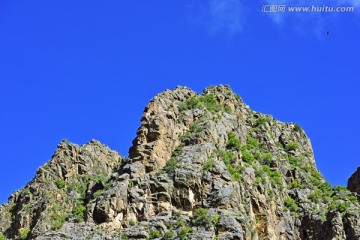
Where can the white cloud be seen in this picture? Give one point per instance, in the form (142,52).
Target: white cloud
(218,16)
(312,22)
(229,16)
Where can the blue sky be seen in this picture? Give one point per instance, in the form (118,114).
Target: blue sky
(86,69)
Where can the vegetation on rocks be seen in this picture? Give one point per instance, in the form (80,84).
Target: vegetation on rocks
(201,217)
(202,166)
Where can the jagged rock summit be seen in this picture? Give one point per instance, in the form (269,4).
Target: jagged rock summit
(203,166)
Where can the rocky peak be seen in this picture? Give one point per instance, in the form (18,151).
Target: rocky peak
(59,185)
(203,166)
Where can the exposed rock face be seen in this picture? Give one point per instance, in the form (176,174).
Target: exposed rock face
(354,182)
(201,167)
(60,189)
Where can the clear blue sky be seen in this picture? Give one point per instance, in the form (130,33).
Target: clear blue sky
(86,69)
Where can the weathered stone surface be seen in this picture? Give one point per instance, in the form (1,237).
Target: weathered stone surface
(354,182)
(202,166)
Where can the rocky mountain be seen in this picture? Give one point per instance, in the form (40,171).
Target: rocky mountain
(203,166)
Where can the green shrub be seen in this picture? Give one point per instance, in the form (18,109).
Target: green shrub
(60,183)
(130,184)
(228,109)
(98,193)
(211,103)
(12,207)
(247,157)
(291,204)
(24,232)
(168,235)
(291,146)
(279,145)
(260,121)
(184,232)
(201,217)
(296,184)
(153,233)
(132,222)
(315,181)
(340,189)
(266,158)
(216,219)
(190,103)
(234,172)
(177,151)
(325,187)
(251,142)
(316,195)
(171,165)
(2,237)
(297,128)
(98,178)
(226,156)
(79,211)
(276,177)
(260,175)
(208,164)
(79,187)
(124,237)
(195,128)
(340,206)
(180,223)
(57,221)
(233,143)
(293,160)
(57,216)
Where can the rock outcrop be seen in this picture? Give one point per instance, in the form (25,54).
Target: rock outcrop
(354,182)
(203,166)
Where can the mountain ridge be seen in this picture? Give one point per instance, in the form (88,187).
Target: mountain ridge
(203,166)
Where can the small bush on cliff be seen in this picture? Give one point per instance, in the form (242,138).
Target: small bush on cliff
(340,206)
(168,236)
(247,157)
(79,187)
(177,151)
(291,204)
(226,156)
(184,232)
(233,143)
(123,237)
(208,101)
(190,103)
(252,142)
(291,146)
(211,104)
(24,232)
(228,109)
(153,233)
(57,216)
(189,136)
(79,211)
(260,121)
(171,165)
(98,193)
(266,158)
(297,128)
(60,183)
(293,160)
(208,164)
(201,217)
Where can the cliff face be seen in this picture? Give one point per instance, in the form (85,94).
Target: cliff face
(201,167)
